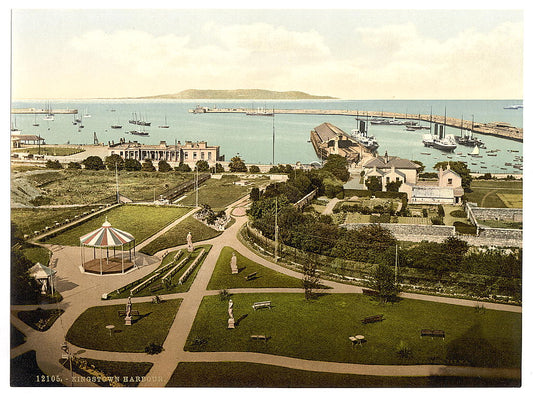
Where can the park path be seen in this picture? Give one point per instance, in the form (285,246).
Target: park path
(329,207)
(81,291)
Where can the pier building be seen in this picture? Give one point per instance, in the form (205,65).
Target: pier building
(189,152)
(328,139)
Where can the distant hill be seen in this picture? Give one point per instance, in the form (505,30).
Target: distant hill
(239,94)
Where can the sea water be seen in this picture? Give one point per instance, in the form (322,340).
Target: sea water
(254,137)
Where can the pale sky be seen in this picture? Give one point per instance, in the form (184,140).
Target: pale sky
(350,54)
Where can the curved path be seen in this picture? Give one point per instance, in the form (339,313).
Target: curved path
(81,291)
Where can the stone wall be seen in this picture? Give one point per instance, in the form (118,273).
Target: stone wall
(414,232)
(492,213)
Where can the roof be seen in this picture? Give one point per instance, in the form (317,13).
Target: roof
(327,131)
(39,271)
(432,192)
(381,162)
(106,236)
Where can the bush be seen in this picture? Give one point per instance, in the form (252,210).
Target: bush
(132,165)
(458,213)
(224,295)
(184,167)
(74,166)
(53,164)
(163,166)
(403,350)
(254,169)
(464,228)
(153,348)
(437,221)
(93,163)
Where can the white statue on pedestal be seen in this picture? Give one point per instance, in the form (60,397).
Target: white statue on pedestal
(190,247)
(127,318)
(233,264)
(231,320)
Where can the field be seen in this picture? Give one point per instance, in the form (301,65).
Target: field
(495,193)
(152,326)
(178,235)
(88,186)
(50,150)
(241,374)
(219,193)
(319,330)
(222,277)
(139,220)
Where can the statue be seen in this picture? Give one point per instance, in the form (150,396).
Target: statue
(190,247)
(127,318)
(233,264)
(231,320)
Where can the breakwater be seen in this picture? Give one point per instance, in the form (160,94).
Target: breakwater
(496,129)
(35,111)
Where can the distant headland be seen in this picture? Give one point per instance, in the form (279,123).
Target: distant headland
(250,94)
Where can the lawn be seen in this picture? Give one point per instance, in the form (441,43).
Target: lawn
(219,193)
(152,326)
(51,150)
(173,286)
(36,254)
(141,221)
(222,278)
(39,319)
(495,193)
(319,330)
(89,186)
(244,374)
(177,235)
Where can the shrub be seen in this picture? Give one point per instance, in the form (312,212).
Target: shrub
(53,164)
(153,348)
(464,228)
(224,295)
(254,169)
(74,165)
(403,350)
(458,213)
(437,221)
(163,166)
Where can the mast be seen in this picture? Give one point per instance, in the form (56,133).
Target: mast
(273,139)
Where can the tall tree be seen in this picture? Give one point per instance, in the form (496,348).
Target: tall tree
(237,165)
(338,166)
(382,281)
(310,278)
(114,160)
(202,165)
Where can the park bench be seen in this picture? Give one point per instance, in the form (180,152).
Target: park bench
(372,319)
(262,304)
(122,313)
(251,276)
(157,287)
(370,292)
(432,333)
(259,337)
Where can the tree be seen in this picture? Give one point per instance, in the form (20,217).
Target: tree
(382,281)
(254,169)
(202,165)
(147,165)
(237,165)
(74,166)
(255,194)
(310,278)
(53,164)
(460,168)
(393,186)
(114,161)
(93,163)
(24,288)
(132,165)
(219,168)
(373,184)
(163,166)
(338,166)
(422,167)
(184,167)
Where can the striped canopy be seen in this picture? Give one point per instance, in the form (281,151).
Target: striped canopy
(106,236)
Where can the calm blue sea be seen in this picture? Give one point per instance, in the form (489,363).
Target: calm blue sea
(251,137)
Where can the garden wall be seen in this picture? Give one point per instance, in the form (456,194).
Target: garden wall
(414,232)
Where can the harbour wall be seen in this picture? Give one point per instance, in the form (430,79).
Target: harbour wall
(495,129)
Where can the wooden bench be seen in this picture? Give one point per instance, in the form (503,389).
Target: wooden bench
(157,287)
(262,304)
(372,319)
(122,313)
(259,337)
(432,333)
(251,276)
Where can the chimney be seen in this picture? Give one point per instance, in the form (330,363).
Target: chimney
(386,157)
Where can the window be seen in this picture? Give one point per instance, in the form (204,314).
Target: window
(186,155)
(202,155)
(209,155)
(194,155)
(449,181)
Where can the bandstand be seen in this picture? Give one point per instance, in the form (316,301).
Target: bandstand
(106,237)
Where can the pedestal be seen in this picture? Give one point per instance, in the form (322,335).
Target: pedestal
(234,270)
(231,323)
(127,321)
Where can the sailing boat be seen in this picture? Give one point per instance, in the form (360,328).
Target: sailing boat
(164,126)
(86,113)
(116,126)
(475,152)
(14,126)
(49,115)
(35,124)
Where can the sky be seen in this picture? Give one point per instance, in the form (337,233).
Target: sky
(344,53)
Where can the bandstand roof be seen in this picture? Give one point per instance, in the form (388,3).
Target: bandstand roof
(106,236)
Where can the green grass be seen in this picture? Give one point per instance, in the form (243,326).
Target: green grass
(177,235)
(36,254)
(243,374)
(501,224)
(129,218)
(220,193)
(488,193)
(319,330)
(40,319)
(29,220)
(89,330)
(222,278)
(128,374)
(26,373)
(51,150)
(173,287)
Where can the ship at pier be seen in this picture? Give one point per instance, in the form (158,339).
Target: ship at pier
(362,137)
